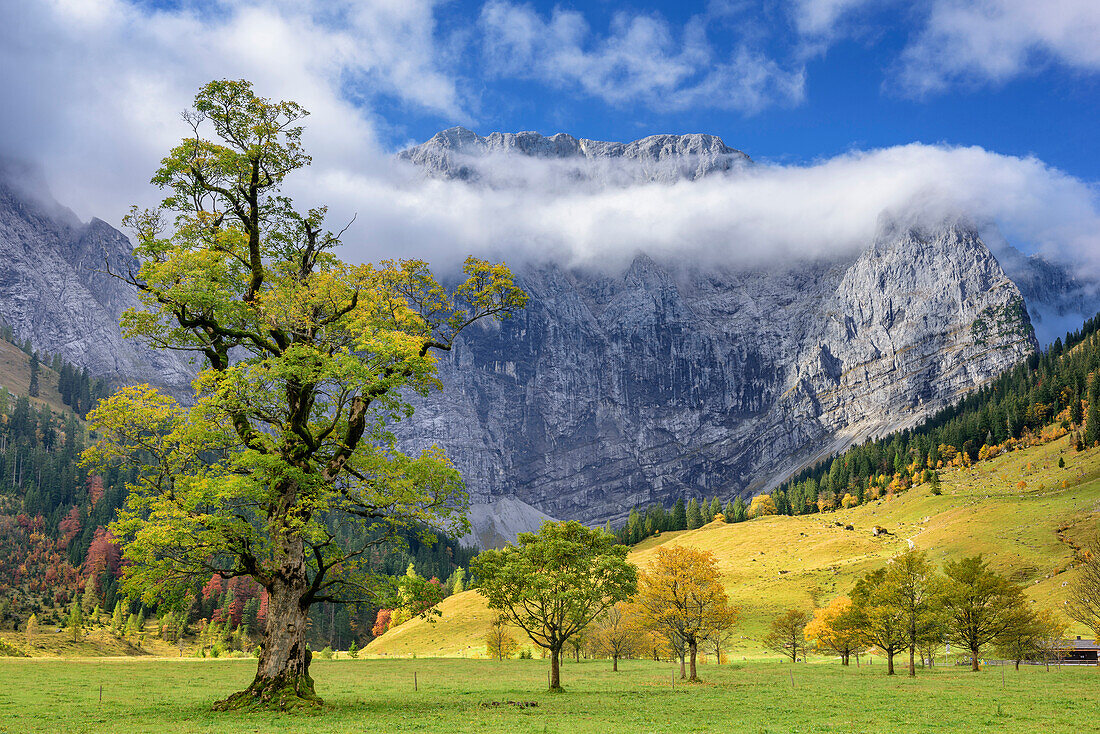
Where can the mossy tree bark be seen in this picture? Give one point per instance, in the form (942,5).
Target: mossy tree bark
(282,674)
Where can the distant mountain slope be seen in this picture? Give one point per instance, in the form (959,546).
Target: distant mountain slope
(619,389)
(779,562)
(54,292)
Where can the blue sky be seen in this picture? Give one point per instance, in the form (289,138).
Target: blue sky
(985,108)
(861,83)
(853,92)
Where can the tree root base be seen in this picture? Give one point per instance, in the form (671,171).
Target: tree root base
(290,693)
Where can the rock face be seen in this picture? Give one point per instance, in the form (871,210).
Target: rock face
(661,381)
(496,524)
(919,320)
(618,388)
(1057,298)
(53,289)
(461,154)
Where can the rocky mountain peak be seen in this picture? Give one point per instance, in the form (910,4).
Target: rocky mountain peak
(459,153)
(54,289)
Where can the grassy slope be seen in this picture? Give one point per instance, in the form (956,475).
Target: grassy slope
(15,375)
(54,642)
(173,697)
(774,563)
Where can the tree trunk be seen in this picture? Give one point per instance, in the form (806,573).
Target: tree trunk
(282,674)
(889,662)
(912,662)
(555,669)
(974,660)
(683,674)
(615,663)
(1017,666)
(844,659)
(692,650)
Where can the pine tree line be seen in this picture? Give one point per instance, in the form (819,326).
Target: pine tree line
(1059,387)
(79,391)
(1057,390)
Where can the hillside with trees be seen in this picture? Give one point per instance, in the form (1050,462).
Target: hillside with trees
(1051,394)
(55,548)
(1033,535)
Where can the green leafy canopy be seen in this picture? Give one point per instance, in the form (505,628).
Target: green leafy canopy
(285,451)
(553,583)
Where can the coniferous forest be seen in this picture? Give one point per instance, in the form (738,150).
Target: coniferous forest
(1059,384)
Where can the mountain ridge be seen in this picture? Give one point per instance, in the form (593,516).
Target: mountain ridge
(453,153)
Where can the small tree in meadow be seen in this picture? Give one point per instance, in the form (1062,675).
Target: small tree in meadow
(499,643)
(618,633)
(881,621)
(1027,636)
(76,621)
(912,585)
(680,595)
(835,628)
(31,630)
(554,583)
(788,633)
(980,605)
(721,636)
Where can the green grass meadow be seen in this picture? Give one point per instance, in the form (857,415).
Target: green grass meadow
(166,696)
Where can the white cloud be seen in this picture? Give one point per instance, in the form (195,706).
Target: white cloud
(99,109)
(641,60)
(823,19)
(764,214)
(92,88)
(965,43)
(991,41)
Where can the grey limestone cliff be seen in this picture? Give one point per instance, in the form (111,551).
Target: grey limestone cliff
(54,289)
(611,391)
(664,380)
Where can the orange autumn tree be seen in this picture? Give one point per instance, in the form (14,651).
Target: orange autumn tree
(835,627)
(680,595)
(618,633)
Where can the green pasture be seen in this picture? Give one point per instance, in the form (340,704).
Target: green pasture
(456,696)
